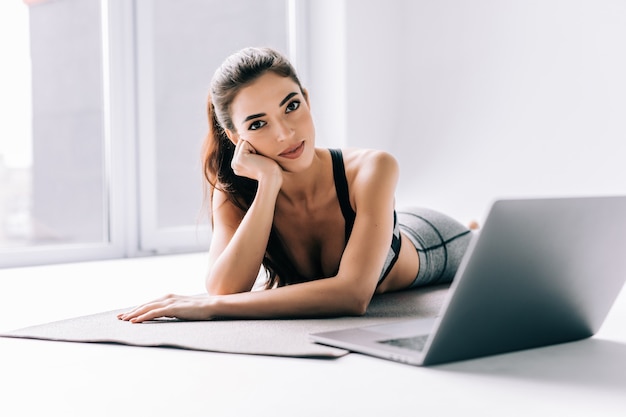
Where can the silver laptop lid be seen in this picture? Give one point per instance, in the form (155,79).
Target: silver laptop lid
(542,271)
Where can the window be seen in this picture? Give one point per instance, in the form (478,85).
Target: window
(53,149)
(180,44)
(99,157)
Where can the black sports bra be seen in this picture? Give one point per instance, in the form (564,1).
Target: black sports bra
(343,195)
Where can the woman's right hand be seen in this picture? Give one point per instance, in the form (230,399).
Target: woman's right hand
(247,162)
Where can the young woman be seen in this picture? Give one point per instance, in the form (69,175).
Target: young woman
(321,222)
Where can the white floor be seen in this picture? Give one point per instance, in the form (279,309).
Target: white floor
(67,379)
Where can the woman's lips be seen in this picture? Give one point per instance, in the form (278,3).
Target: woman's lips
(293,152)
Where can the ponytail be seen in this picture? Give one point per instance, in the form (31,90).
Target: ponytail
(217,154)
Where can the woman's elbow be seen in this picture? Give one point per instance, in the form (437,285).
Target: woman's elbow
(357,304)
(213,288)
(358,310)
(355,309)
(216,286)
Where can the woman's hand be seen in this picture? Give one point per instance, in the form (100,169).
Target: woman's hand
(174,306)
(247,162)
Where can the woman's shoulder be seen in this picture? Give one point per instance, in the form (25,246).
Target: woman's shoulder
(366,162)
(368,170)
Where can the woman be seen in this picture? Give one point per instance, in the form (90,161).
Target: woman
(321,222)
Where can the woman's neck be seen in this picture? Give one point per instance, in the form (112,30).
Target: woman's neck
(304,187)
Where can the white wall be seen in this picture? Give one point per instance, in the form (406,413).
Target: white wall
(326,49)
(479,100)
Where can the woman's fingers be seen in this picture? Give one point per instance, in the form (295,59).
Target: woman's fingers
(249,163)
(136,312)
(239,163)
(182,307)
(151,306)
(152,314)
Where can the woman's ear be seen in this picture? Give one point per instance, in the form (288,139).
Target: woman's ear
(234,138)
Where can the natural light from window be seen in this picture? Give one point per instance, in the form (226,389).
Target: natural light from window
(16,156)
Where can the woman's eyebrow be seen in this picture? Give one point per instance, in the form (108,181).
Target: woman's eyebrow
(254,116)
(287,98)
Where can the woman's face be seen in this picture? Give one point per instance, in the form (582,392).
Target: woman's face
(273,115)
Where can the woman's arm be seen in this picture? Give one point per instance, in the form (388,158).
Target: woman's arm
(238,243)
(239,240)
(321,298)
(347,293)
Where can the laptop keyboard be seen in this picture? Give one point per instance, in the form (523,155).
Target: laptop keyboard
(415,343)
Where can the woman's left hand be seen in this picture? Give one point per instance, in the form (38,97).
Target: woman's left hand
(173,306)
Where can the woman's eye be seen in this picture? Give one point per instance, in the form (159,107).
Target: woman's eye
(292,106)
(257,124)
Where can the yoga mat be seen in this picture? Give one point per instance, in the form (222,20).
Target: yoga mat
(257,337)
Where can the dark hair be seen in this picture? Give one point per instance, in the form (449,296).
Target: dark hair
(238,71)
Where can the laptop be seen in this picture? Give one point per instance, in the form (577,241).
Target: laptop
(539,272)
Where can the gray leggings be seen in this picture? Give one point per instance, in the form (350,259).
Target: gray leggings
(440,241)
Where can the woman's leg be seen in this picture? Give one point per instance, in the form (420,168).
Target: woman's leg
(440,241)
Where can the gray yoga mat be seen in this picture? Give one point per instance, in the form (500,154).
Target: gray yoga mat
(257,337)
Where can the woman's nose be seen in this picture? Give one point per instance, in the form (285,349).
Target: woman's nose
(283,131)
